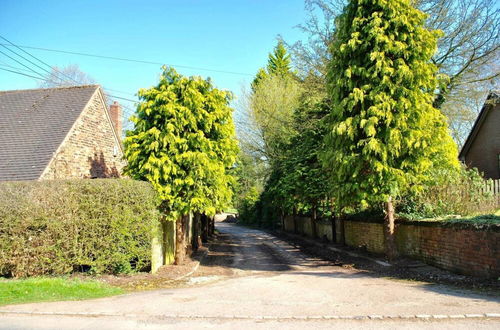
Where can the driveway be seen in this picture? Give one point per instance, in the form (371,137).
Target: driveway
(272,285)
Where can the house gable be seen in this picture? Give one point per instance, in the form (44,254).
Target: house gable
(33,123)
(91,148)
(482,148)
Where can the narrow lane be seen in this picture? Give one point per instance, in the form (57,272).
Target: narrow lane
(272,286)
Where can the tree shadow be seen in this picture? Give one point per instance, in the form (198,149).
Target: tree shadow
(255,250)
(99,168)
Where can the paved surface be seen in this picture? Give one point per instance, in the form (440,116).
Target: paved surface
(274,286)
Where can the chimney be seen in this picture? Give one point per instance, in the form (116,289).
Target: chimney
(115,112)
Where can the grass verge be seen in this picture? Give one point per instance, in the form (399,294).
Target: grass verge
(52,289)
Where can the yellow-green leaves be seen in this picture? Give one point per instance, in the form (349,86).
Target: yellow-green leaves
(385,136)
(184,144)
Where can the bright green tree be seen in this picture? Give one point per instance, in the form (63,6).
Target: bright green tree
(271,108)
(385,135)
(279,61)
(184,144)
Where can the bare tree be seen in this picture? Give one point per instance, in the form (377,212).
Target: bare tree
(70,75)
(470,43)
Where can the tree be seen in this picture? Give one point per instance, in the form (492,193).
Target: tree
(301,184)
(467,54)
(278,64)
(469,49)
(385,135)
(184,144)
(271,107)
(70,75)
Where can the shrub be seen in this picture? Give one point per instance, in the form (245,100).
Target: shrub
(247,205)
(63,226)
(450,193)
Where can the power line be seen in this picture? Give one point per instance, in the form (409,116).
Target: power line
(130,112)
(24,74)
(133,60)
(38,73)
(118,91)
(5,64)
(24,58)
(36,58)
(122,98)
(46,64)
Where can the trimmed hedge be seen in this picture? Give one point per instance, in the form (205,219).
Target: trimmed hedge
(64,226)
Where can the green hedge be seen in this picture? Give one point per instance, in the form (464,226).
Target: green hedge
(65,226)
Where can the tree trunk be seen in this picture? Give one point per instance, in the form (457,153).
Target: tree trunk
(313,221)
(204,228)
(212,226)
(295,227)
(196,232)
(180,241)
(390,246)
(334,230)
(341,228)
(282,220)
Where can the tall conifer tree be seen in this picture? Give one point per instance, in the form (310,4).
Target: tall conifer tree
(184,144)
(278,64)
(385,135)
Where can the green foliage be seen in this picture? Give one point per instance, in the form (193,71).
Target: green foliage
(278,64)
(184,144)
(58,227)
(279,61)
(272,108)
(250,173)
(448,193)
(247,205)
(385,136)
(297,181)
(52,289)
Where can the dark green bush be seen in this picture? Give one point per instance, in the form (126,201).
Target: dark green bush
(65,226)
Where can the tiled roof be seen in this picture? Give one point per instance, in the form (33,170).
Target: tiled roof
(33,124)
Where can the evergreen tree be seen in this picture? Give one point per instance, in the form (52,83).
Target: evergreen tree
(278,64)
(385,135)
(279,61)
(184,144)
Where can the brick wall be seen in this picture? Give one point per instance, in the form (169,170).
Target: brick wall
(90,150)
(369,236)
(458,248)
(463,250)
(324,230)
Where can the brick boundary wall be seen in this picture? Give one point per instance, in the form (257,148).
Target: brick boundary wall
(463,250)
(456,247)
(366,235)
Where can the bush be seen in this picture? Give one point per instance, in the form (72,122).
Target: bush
(247,206)
(451,193)
(64,226)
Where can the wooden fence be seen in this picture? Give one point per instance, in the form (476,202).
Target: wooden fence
(493,187)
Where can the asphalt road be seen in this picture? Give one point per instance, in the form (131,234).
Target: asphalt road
(272,286)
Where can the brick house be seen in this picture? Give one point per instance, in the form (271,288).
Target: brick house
(482,147)
(59,133)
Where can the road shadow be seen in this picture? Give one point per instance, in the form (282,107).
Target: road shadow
(250,251)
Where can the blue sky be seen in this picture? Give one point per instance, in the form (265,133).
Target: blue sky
(217,34)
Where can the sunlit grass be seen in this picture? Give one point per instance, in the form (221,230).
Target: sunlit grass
(52,289)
